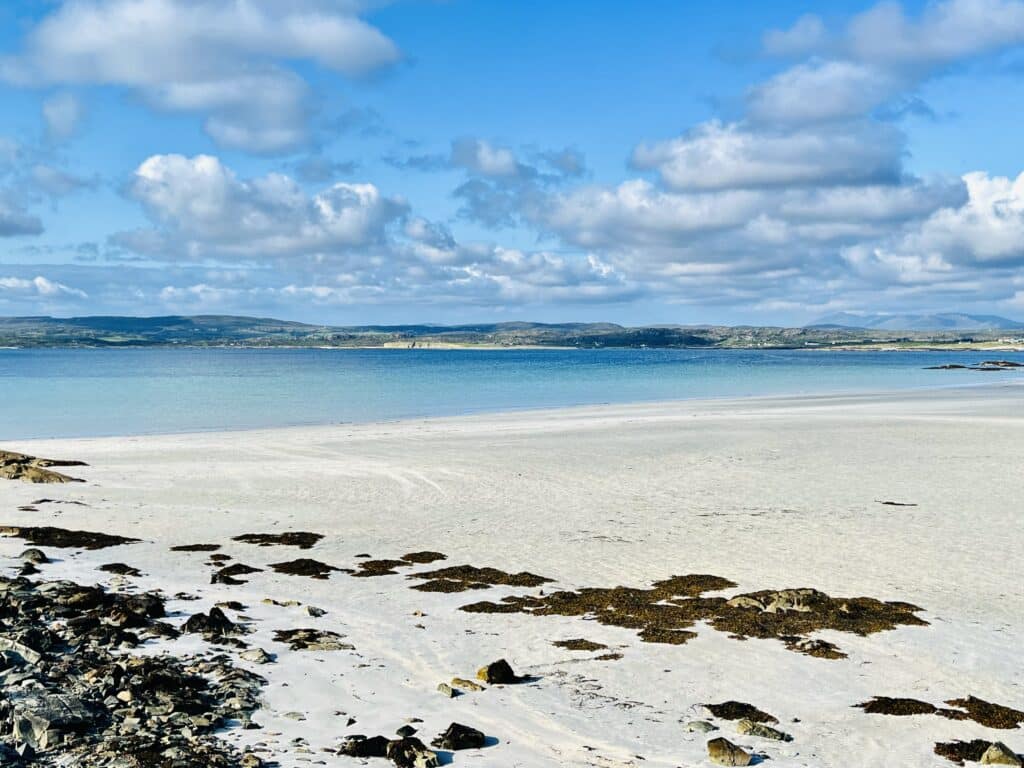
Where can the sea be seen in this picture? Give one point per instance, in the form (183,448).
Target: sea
(100,392)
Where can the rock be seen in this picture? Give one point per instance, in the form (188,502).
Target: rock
(458,736)
(1000,754)
(360,746)
(121,569)
(446,690)
(306,639)
(249,760)
(724,752)
(782,600)
(405,731)
(411,753)
(750,728)
(215,624)
(42,720)
(256,656)
(469,685)
(700,726)
(30,655)
(497,673)
(36,556)
(19,466)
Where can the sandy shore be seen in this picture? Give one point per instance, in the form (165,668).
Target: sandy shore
(770,493)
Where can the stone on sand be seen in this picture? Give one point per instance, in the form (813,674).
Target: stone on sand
(724,752)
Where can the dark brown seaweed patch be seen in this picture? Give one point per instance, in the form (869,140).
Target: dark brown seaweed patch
(960,751)
(988,714)
(304,566)
(470,574)
(884,705)
(424,557)
(448,585)
(369,568)
(664,612)
(46,536)
(579,644)
(738,710)
(300,539)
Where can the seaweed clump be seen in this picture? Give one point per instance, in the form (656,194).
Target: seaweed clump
(738,710)
(304,566)
(897,707)
(424,557)
(459,578)
(579,644)
(368,568)
(988,714)
(961,751)
(61,538)
(970,708)
(665,612)
(300,539)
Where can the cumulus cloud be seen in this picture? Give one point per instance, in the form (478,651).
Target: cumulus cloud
(806,36)
(203,210)
(347,244)
(38,286)
(988,229)
(222,58)
(945,31)
(724,156)
(484,158)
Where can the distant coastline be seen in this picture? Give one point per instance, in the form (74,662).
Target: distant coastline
(253,333)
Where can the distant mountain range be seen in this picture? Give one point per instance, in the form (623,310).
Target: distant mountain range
(845,330)
(945,321)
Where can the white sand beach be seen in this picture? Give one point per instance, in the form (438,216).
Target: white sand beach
(770,493)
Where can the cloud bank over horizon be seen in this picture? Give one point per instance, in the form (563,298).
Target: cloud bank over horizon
(292,159)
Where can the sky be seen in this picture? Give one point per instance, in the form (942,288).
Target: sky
(454,161)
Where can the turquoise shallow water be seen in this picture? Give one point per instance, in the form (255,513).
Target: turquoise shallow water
(84,392)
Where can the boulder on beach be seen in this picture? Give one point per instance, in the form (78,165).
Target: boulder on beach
(750,728)
(724,752)
(497,673)
(457,736)
(1000,754)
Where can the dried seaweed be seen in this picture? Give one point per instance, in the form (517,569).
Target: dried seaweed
(300,539)
(424,557)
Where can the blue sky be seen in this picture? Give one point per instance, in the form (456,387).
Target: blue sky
(473,160)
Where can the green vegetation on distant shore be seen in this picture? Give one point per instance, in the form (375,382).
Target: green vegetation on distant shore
(220,330)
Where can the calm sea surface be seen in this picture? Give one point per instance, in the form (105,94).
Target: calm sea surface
(73,393)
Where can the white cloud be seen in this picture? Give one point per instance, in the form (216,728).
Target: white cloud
(807,35)
(988,229)
(203,210)
(482,157)
(821,90)
(222,58)
(717,156)
(38,286)
(953,29)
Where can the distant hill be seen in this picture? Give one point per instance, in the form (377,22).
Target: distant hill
(840,331)
(945,321)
